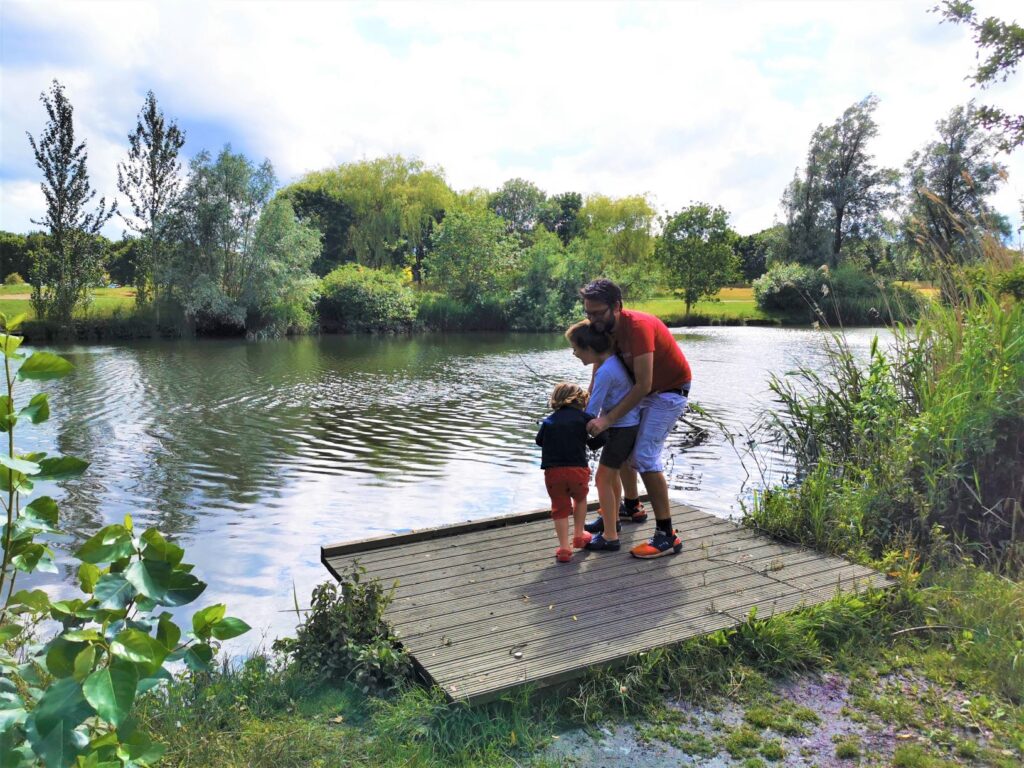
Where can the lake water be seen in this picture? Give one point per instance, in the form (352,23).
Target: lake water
(253,454)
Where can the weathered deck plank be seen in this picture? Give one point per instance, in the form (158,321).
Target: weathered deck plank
(483,607)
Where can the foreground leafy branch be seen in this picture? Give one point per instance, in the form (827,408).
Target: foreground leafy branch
(69,700)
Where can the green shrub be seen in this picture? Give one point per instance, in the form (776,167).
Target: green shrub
(445,313)
(1011,282)
(357,299)
(344,636)
(14,279)
(843,296)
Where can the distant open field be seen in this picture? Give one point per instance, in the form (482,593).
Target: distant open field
(14,299)
(732,304)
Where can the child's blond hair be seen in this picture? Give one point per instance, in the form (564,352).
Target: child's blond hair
(569,394)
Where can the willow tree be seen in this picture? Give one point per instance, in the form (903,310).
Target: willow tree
(70,264)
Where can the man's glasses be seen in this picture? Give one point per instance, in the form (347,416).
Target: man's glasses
(601,313)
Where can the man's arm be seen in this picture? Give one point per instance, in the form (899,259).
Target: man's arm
(643,369)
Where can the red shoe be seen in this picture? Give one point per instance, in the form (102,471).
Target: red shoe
(563,555)
(580,540)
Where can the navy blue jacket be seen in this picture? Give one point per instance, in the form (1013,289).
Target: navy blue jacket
(563,438)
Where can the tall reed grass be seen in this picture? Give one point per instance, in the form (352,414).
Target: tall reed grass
(925,444)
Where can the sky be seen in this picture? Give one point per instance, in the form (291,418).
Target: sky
(683,101)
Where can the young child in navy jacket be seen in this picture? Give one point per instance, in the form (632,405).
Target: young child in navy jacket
(563,440)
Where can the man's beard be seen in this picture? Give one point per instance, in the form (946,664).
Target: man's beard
(605,327)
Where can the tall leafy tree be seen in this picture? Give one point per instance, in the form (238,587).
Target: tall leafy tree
(70,263)
(379,212)
(843,192)
(696,249)
(213,226)
(279,290)
(806,221)
(754,251)
(317,201)
(561,215)
(1002,44)
(949,180)
(521,204)
(151,180)
(472,254)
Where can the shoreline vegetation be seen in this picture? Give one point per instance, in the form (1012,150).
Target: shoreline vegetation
(113,315)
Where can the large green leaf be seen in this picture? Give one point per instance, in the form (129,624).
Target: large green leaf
(9,344)
(229,627)
(19,465)
(42,511)
(7,631)
(8,418)
(13,323)
(59,468)
(33,557)
(12,706)
(60,656)
(156,547)
(198,657)
(84,663)
(139,749)
(42,366)
(65,610)
(139,648)
(51,726)
(109,544)
(204,619)
(113,591)
(37,600)
(167,632)
(10,479)
(184,589)
(111,691)
(37,410)
(88,575)
(150,577)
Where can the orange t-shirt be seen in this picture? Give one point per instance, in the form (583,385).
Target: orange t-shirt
(638,333)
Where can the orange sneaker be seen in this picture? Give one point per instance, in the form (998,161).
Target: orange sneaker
(659,545)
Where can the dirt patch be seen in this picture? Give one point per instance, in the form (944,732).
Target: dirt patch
(811,721)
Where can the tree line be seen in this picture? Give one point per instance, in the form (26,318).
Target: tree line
(220,246)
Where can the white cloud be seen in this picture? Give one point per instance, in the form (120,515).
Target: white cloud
(708,101)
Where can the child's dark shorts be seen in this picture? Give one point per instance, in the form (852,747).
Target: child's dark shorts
(565,486)
(619,446)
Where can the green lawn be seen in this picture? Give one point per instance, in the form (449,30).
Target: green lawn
(731,305)
(14,299)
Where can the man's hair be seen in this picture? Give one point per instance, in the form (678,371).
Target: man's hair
(585,336)
(569,394)
(602,290)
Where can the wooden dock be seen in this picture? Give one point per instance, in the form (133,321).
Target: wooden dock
(483,607)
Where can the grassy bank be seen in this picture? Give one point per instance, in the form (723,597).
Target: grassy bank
(950,633)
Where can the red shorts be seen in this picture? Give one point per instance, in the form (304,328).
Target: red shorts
(565,486)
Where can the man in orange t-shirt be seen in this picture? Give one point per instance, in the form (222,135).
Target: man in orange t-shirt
(661,388)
